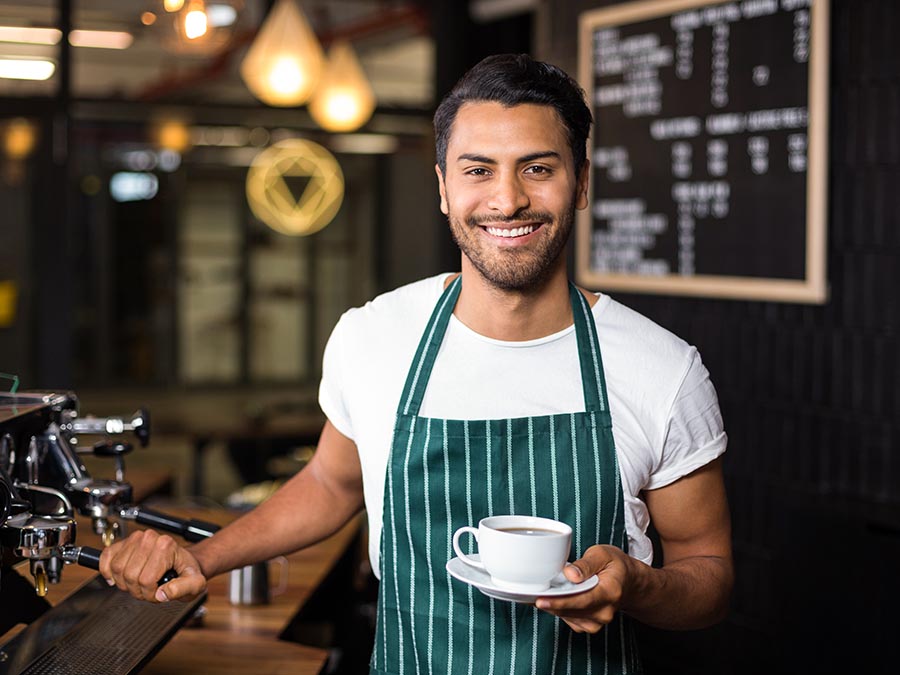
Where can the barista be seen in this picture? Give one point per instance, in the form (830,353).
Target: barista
(501,389)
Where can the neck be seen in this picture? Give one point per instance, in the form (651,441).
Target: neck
(518,315)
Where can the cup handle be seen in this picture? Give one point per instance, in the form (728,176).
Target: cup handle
(462,556)
(282,574)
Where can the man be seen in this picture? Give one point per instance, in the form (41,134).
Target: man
(502,389)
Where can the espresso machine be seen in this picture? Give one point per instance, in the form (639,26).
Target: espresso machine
(50,457)
(43,486)
(46,484)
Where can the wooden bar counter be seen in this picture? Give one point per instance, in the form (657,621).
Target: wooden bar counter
(232,639)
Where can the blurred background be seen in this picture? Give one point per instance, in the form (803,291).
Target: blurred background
(149,200)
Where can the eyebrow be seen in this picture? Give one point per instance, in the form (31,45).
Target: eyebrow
(521,160)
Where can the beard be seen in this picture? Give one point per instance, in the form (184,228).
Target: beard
(514,269)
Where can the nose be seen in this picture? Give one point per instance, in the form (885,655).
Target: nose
(508,196)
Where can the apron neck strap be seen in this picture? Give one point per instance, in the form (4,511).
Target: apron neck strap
(592,378)
(429,344)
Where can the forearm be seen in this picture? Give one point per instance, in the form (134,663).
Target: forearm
(303,512)
(686,594)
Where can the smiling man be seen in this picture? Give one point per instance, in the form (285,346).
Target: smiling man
(500,389)
(520,188)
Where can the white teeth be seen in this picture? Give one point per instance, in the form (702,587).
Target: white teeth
(514,232)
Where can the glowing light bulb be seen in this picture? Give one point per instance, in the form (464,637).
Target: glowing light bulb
(195,24)
(173,5)
(285,76)
(342,106)
(344,100)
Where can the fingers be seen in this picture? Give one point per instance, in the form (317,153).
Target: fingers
(589,611)
(136,565)
(584,625)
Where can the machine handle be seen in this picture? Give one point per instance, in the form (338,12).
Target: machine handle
(191,529)
(90,558)
(111,449)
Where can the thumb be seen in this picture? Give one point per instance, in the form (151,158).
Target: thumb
(573,573)
(577,571)
(188,584)
(593,561)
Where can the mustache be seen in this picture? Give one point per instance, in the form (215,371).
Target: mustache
(522,216)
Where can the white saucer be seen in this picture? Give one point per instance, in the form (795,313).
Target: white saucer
(483,582)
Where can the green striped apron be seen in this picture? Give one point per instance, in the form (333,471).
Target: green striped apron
(444,474)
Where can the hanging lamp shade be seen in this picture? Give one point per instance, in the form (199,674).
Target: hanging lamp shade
(283,64)
(344,100)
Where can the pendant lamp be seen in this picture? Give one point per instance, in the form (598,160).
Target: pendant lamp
(344,99)
(283,64)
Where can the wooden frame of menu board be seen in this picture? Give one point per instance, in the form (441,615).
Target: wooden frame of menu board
(708,162)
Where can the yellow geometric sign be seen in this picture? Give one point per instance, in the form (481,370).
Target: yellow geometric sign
(270,196)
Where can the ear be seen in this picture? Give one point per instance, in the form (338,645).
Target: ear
(581,187)
(442,188)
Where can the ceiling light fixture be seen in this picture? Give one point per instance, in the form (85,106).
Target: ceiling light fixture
(344,100)
(30,36)
(283,64)
(221,15)
(173,5)
(26,69)
(100,39)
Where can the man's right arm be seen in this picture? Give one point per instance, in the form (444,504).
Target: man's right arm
(311,506)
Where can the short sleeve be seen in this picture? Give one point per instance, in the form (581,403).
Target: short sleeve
(332,393)
(694,433)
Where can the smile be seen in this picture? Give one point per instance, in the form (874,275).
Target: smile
(511,232)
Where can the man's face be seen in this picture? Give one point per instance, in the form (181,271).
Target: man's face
(510,191)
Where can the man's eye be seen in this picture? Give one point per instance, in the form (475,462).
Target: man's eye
(478,171)
(538,170)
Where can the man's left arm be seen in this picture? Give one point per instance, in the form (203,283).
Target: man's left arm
(692,588)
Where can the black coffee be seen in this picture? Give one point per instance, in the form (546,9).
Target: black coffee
(528,531)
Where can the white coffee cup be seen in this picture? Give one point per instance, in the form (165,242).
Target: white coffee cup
(520,553)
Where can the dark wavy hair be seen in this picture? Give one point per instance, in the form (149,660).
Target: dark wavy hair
(513,79)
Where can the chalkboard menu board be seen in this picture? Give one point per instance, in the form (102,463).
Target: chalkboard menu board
(709,149)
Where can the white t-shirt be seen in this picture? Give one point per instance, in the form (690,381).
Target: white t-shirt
(665,414)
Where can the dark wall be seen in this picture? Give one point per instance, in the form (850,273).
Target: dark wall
(809,396)
(15,238)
